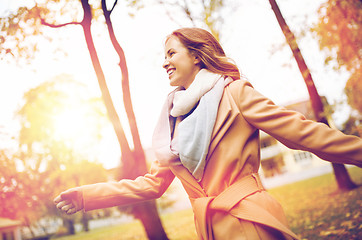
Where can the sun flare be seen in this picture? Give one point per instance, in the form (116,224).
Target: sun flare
(69,125)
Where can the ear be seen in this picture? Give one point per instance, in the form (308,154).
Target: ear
(196,60)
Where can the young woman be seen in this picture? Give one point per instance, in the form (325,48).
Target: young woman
(208,137)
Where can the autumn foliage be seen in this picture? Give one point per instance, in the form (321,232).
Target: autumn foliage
(60,129)
(339,31)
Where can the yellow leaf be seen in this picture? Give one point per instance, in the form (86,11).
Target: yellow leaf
(348,224)
(337,232)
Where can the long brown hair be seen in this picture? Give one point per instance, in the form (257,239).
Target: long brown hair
(204,45)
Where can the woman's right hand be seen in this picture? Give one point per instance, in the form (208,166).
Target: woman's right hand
(70,201)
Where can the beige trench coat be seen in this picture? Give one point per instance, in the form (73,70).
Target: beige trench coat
(229,202)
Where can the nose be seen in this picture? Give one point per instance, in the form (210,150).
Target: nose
(166,64)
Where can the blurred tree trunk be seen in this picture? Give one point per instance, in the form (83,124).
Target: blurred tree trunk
(133,167)
(68,223)
(139,161)
(85,221)
(28,225)
(112,114)
(342,177)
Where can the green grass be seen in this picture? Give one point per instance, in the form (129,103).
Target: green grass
(315,210)
(313,207)
(178,226)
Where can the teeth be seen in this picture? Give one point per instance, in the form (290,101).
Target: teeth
(170,71)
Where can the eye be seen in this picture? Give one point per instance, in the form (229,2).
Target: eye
(170,53)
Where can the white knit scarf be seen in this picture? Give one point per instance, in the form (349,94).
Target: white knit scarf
(190,147)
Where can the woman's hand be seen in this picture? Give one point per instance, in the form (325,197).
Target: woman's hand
(70,201)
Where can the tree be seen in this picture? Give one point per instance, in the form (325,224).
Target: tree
(353,90)
(41,15)
(15,200)
(53,117)
(339,31)
(34,175)
(350,127)
(343,180)
(209,14)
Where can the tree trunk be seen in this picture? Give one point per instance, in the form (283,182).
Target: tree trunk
(125,87)
(139,161)
(27,223)
(146,212)
(343,180)
(85,221)
(134,162)
(112,114)
(68,223)
(342,177)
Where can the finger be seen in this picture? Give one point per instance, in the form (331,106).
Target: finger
(63,203)
(67,207)
(57,199)
(71,211)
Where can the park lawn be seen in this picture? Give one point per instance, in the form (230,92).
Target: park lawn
(315,210)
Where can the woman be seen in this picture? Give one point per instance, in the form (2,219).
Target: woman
(208,137)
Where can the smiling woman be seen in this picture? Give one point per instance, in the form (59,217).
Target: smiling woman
(208,137)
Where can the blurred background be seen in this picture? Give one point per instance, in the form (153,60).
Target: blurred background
(82,86)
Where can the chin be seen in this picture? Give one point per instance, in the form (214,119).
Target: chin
(174,84)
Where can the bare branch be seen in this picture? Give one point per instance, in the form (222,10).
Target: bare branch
(185,9)
(58,25)
(188,13)
(114,5)
(171,18)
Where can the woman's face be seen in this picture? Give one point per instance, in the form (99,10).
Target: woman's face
(181,66)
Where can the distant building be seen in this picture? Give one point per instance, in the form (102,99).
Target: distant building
(277,159)
(9,229)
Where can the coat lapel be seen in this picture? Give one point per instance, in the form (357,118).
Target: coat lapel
(228,111)
(192,187)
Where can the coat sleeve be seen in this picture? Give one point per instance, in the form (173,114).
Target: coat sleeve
(126,192)
(293,130)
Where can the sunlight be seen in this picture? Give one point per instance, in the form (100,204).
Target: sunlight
(70,125)
(82,128)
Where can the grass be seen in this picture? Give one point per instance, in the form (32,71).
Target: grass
(315,210)
(178,226)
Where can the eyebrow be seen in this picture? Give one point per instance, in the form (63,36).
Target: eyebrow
(168,52)
(171,49)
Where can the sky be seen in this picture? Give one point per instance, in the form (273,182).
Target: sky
(250,34)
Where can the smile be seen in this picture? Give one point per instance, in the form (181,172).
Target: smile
(170,71)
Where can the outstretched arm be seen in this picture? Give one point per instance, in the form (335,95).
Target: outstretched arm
(110,194)
(294,130)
